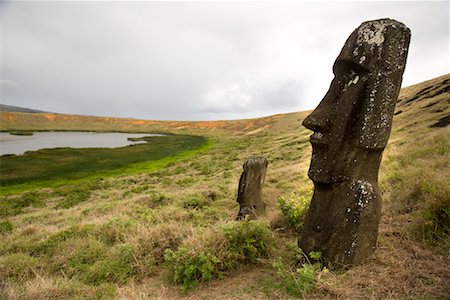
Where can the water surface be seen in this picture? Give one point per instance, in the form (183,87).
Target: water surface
(14,144)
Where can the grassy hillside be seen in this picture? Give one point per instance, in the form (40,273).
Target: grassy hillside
(14,121)
(170,233)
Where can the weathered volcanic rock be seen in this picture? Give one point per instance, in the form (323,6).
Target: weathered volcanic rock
(250,188)
(351,128)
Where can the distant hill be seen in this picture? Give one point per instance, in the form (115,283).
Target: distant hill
(11,108)
(428,100)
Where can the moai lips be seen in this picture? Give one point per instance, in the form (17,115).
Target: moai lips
(351,128)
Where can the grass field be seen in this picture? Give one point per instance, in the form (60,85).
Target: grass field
(169,232)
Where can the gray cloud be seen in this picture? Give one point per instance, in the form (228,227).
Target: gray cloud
(194,60)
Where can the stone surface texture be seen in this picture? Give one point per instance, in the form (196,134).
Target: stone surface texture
(250,188)
(351,128)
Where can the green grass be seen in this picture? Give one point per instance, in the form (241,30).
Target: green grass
(417,183)
(31,170)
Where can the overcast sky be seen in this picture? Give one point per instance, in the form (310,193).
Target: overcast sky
(194,60)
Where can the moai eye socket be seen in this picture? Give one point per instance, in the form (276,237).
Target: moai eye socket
(346,67)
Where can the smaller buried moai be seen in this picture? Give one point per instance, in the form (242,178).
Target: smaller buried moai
(351,128)
(250,188)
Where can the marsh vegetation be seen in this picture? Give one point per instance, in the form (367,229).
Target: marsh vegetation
(51,166)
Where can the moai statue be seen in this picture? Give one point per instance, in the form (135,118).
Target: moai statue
(351,128)
(250,188)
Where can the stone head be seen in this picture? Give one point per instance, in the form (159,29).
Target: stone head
(354,118)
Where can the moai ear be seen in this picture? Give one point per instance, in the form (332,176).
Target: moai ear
(377,111)
(383,87)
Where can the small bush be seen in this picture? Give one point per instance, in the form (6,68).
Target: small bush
(208,256)
(197,259)
(190,268)
(5,226)
(248,241)
(297,281)
(294,210)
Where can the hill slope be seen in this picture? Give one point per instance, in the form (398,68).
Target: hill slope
(125,236)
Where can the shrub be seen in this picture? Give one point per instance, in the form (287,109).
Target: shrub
(297,281)
(294,210)
(199,258)
(248,241)
(217,251)
(189,268)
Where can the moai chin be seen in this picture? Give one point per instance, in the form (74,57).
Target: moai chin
(250,188)
(351,128)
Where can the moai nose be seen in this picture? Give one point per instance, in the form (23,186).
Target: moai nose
(319,120)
